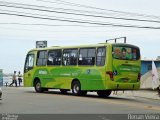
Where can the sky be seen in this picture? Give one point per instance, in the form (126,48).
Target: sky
(19,34)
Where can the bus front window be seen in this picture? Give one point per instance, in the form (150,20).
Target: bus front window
(29,62)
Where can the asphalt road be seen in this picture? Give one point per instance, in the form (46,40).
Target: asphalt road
(26,101)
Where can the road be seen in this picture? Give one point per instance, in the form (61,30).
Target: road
(26,101)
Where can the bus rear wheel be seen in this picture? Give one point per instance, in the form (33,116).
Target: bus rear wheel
(76,89)
(37,87)
(104,93)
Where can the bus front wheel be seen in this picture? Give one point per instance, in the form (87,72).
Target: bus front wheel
(37,87)
(76,88)
(104,93)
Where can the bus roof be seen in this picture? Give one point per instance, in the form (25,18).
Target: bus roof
(81,46)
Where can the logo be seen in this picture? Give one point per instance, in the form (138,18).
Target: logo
(115,72)
(88,71)
(42,72)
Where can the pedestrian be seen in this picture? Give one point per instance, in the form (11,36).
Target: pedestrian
(19,78)
(14,80)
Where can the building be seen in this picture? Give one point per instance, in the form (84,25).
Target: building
(146,72)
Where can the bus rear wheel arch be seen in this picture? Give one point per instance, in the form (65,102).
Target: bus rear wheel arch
(76,89)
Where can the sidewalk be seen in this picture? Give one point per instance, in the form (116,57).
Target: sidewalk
(150,94)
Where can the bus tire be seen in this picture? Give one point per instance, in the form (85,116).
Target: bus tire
(104,93)
(76,88)
(37,86)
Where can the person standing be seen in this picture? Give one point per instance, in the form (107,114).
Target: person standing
(19,78)
(14,80)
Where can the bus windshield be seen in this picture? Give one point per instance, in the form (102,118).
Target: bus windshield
(126,53)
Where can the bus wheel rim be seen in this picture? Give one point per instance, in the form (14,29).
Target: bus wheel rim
(38,86)
(76,88)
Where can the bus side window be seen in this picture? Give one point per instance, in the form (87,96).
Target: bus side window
(87,56)
(42,58)
(101,51)
(54,57)
(70,57)
(50,59)
(80,59)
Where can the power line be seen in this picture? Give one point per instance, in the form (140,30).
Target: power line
(51,25)
(75,21)
(96,8)
(75,10)
(82,11)
(43,30)
(71,13)
(39,15)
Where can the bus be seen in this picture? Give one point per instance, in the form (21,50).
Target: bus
(101,68)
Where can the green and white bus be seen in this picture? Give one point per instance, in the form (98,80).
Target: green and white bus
(99,68)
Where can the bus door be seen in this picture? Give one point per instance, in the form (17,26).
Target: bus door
(100,64)
(28,69)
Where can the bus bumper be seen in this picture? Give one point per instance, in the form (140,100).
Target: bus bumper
(123,86)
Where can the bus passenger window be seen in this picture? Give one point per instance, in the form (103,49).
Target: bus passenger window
(54,57)
(101,56)
(41,58)
(87,56)
(70,57)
